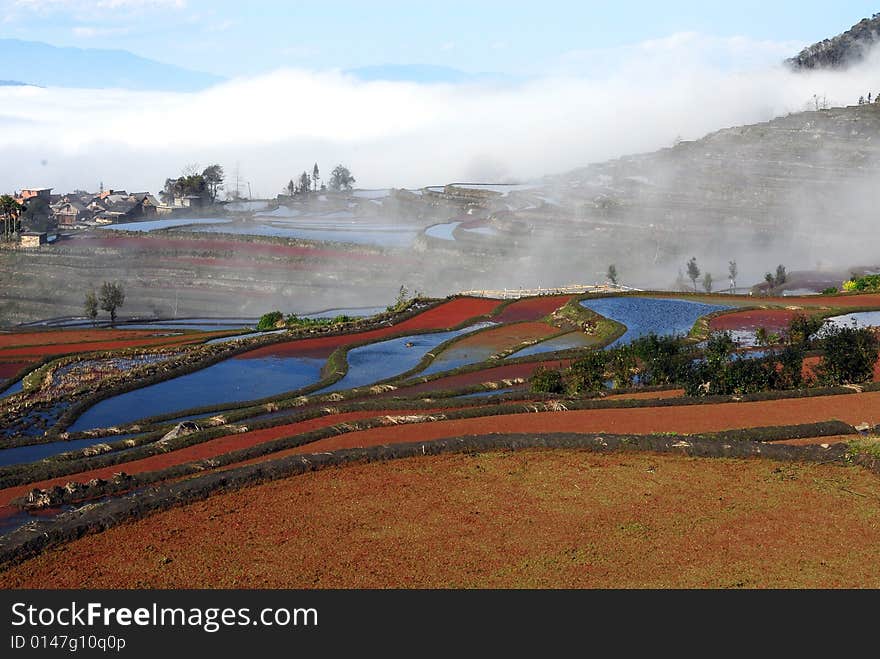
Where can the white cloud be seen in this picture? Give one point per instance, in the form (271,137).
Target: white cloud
(90,32)
(687,50)
(401,134)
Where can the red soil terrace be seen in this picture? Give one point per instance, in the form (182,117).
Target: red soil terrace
(21,339)
(526,519)
(448,314)
(772,320)
(533,308)
(853,409)
(209,449)
(8,369)
(92,346)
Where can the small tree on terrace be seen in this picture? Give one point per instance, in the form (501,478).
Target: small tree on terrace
(316,175)
(732,271)
(90,306)
(707,282)
(850,355)
(341,178)
(612,274)
(290,189)
(111,297)
(693,271)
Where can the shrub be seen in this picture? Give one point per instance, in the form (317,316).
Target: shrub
(662,358)
(587,374)
(621,364)
(789,373)
(866,284)
(830,291)
(802,329)
(850,355)
(547,381)
(270,320)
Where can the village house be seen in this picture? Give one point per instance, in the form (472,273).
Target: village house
(71,213)
(30,193)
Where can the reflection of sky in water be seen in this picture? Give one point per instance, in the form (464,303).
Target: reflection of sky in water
(564,342)
(230,381)
(442,231)
(379,361)
(379,235)
(642,316)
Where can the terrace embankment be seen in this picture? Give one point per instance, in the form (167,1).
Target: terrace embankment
(532,519)
(852,409)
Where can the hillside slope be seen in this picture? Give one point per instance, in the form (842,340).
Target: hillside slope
(841,51)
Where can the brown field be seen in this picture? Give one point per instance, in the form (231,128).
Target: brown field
(529,519)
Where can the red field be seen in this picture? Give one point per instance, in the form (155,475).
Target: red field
(532,308)
(19,339)
(852,409)
(528,519)
(208,449)
(448,314)
(67,348)
(505,518)
(8,369)
(773,320)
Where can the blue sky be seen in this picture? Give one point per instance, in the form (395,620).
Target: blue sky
(514,38)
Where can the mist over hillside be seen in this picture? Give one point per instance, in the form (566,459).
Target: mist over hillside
(801,190)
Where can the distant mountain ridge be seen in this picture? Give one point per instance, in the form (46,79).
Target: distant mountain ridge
(50,66)
(841,51)
(13,83)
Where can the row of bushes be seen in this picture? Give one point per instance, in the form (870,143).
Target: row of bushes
(849,356)
(866,284)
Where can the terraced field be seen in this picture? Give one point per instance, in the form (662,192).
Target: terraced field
(624,458)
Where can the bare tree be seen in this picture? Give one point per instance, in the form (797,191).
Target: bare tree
(90,306)
(707,282)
